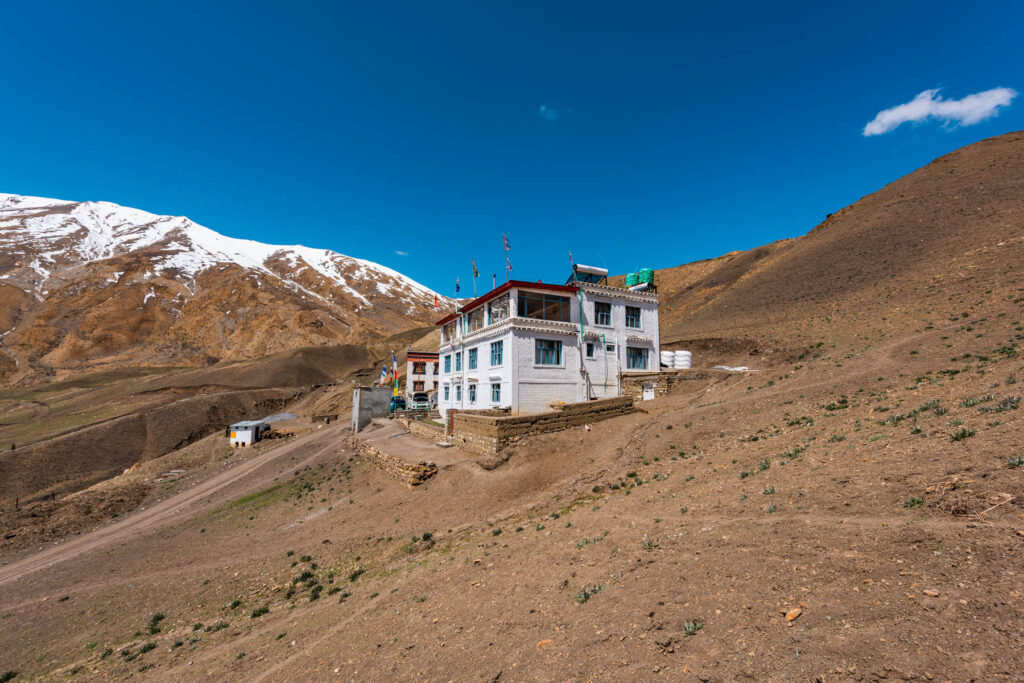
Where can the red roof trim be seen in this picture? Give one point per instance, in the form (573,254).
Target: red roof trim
(429,355)
(498,291)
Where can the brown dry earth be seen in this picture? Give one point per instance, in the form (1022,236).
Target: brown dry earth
(852,509)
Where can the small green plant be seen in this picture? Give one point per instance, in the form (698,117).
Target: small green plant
(290,553)
(770,509)
(355,574)
(496,532)
(147,647)
(746,473)
(913,502)
(836,438)
(649,543)
(588,592)
(690,628)
(961,434)
(764,465)
(683,510)
(768,491)
(916,429)
(306,558)
(259,611)
(1015,461)
(8,676)
(235,604)
(154,622)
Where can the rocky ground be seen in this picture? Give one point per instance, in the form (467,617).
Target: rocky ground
(850,509)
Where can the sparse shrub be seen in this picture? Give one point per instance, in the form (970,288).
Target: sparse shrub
(197,627)
(496,532)
(154,622)
(913,502)
(916,429)
(290,553)
(690,628)
(650,543)
(306,558)
(355,574)
(768,491)
(836,438)
(147,647)
(235,604)
(1015,461)
(683,510)
(588,592)
(961,434)
(259,611)
(746,473)
(770,509)
(764,465)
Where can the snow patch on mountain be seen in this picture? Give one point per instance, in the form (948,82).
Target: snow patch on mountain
(52,234)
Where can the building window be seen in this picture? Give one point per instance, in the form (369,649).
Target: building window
(435,369)
(474,320)
(496,353)
(458,393)
(458,361)
(610,348)
(495,393)
(543,306)
(419,368)
(632,316)
(435,385)
(447,392)
(448,364)
(417,386)
(548,352)
(590,349)
(602,313)
(471,360)
(636,359)
(472,393)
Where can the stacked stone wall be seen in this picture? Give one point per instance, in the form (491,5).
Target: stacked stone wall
(426,430)
(487,434)
(411,474)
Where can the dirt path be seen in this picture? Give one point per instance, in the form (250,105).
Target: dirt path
(169,509)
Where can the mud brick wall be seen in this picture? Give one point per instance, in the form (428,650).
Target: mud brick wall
(488,434)
(663,382)
(411,474)
(425,430)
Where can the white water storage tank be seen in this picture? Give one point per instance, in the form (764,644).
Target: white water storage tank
(682,360)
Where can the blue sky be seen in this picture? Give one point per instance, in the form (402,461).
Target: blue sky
(633,134)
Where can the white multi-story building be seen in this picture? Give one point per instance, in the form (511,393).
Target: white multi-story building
(526,345)
(421,373)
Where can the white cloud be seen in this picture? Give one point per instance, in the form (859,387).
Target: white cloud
(930,105)
(401,253)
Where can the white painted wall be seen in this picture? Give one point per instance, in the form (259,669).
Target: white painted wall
(528,387)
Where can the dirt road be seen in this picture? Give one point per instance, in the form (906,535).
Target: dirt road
(191,500)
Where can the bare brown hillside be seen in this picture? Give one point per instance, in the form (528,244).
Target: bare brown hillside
(850,509)
(889,261)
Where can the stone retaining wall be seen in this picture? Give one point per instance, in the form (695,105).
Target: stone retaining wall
(487,433)
(662,382)
(425,430)
(411,474)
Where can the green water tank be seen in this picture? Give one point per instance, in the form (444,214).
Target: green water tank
(646,276)
(632,279)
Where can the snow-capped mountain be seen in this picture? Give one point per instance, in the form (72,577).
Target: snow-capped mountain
(90,283)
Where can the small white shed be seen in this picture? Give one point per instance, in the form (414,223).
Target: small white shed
(247,432)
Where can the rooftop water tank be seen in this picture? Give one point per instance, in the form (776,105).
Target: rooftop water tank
(632,279)
(646,276)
